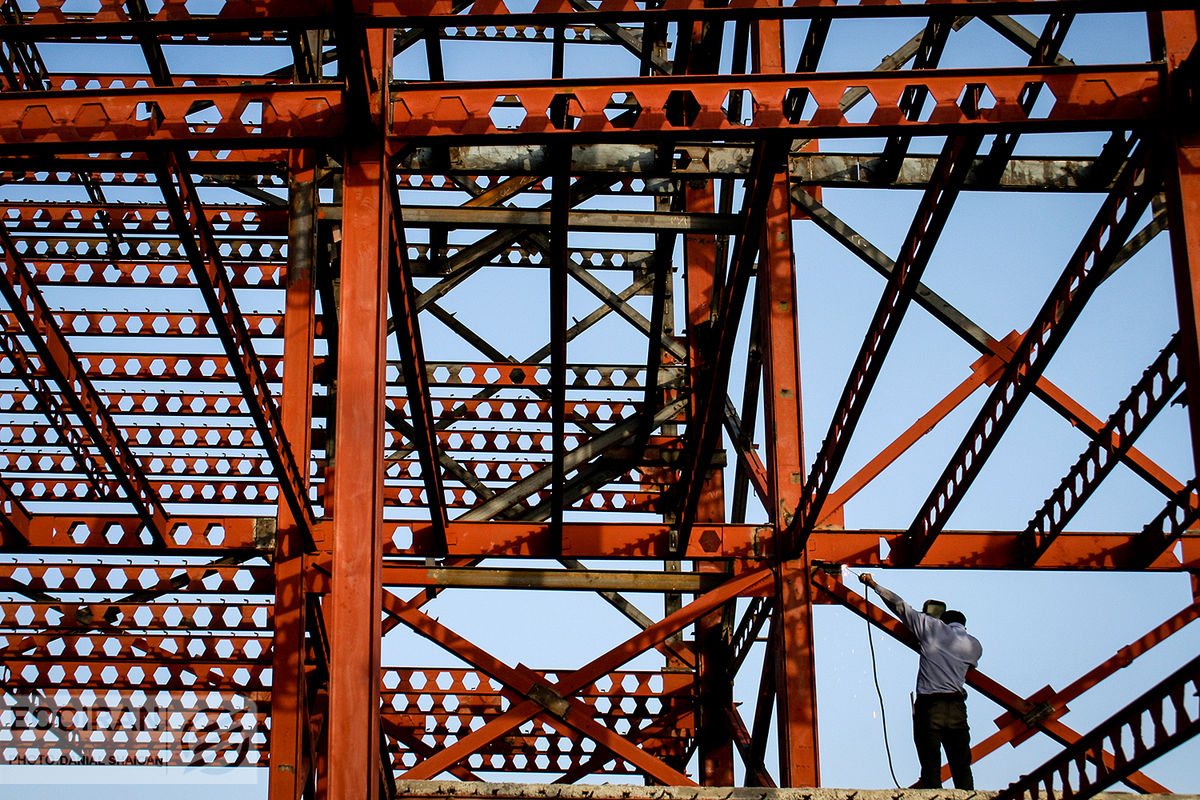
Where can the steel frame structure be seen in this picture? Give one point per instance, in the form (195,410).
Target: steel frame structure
(219,510)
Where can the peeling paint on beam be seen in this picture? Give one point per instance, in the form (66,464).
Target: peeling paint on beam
(809,169)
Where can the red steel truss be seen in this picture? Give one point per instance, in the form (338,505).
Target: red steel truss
(319,313)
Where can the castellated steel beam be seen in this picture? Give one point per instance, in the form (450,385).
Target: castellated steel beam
(37,322)
(402,320)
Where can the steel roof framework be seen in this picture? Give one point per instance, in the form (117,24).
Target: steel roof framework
(219,509)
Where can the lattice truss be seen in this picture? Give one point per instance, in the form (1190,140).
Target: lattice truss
(317,314)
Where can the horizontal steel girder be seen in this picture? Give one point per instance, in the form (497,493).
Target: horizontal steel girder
(1086,98)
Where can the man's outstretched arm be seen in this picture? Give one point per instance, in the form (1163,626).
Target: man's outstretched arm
(914,620)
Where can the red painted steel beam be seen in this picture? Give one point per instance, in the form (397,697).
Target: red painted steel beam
(705,427)
(1178,33)
(60,362)
(652,541)
(795,676)
(780,343)
(403,297)
(1046,704)
(140,218)
(49,22)
(571,683)
(1152,725)
(1086,98)
(357,500)
(1076,550)
(792,656)
(191,224)
(1083,273)
(14,526)
(288,674)
(1150,395)
(527,685)
(83,121)
(975,678)
(705,281)
(923,234)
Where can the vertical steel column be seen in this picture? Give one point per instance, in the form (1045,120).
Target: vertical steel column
(795,671)
(288,767)
(1179,35)
(714,737)
(356,598)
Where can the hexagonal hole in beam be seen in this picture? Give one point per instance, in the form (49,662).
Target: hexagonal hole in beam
(564,111)
(507,113)
(622,110)
(738,106)
(799,105)
(681,108)
(858,105)
(1037,99)
(202,117)
(974,99)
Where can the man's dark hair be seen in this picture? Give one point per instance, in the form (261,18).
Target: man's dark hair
(950,615)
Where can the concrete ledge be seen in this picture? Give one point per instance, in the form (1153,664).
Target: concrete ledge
(467,790)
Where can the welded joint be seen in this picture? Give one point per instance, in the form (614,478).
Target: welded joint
(553,702)
(1038,714)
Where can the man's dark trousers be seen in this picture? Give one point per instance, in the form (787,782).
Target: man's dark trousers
(940,720)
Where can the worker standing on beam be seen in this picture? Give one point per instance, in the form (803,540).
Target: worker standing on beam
(940,709)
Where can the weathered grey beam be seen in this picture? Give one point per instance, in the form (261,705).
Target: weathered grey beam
(1030,174)
(560,579)
(496,218)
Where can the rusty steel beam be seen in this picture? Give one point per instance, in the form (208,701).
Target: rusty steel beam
(704,432)
(80,121)
(1152,725)
(37,322)
(556,707)
(1081,104)
(191,225)
(1086,268)
(981,682)
(1150,395)
(593,670)
(402,296)
(233,17)
(14,526)
(905,277)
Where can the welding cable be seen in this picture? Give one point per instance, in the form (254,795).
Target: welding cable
(887,748)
